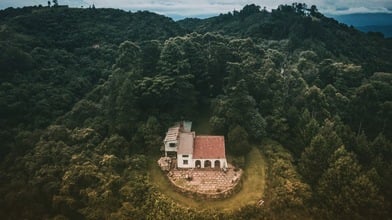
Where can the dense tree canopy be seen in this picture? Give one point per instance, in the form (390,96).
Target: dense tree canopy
(87,94)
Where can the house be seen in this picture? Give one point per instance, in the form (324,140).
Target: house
(192,151)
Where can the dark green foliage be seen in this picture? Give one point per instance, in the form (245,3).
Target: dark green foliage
(64,27)
(381,153)
(306,129)
(286,194)
(237,141)
(314,159)
(347,192)
(147,138)
(87,94)
(129,57)
(316,103)
(165,93)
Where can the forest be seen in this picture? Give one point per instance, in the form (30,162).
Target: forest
(86,96)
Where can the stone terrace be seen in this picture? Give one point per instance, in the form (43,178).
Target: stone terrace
(206,182)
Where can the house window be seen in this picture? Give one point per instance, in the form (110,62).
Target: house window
(172,144)
(185,162)
(185,155)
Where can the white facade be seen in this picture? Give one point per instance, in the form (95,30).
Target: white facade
(210,163)
(171,146)
(171,140)
(189,162)
(185,161)
(185,149)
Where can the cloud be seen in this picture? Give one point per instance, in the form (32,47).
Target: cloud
(185,8)
(339,7)
(197,8)
(22,3)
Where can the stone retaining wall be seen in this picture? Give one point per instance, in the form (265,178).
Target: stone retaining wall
(227,191)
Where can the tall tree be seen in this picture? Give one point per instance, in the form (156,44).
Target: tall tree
(344,191)
(129,57)
(381,151)
(314,159)
(316,103)
(364,105)
(237,141)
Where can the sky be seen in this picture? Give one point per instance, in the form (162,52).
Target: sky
(207,8)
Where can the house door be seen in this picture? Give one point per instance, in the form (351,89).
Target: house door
(198,164)
(207,164)
(217,164)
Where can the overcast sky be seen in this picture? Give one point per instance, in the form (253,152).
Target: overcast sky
(205,8)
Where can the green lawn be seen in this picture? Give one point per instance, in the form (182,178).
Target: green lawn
(252,188)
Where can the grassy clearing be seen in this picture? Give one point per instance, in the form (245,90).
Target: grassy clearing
(252,189)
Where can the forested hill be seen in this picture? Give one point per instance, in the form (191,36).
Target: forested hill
(304,27)
(86,96)
(71,28)
(50,58)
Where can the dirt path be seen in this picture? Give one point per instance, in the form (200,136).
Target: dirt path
(251,191)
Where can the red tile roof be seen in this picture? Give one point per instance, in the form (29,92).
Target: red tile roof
(209,147)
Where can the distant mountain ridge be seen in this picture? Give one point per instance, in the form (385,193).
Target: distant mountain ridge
(368,22)
(386,30)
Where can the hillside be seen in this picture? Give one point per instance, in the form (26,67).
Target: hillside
(314,32)
(53,56)
(86,96)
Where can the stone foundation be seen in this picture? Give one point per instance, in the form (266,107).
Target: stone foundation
(206,183)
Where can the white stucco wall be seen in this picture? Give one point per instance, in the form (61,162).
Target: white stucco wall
(222,163)
(168,148)
(180,161)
